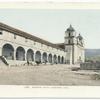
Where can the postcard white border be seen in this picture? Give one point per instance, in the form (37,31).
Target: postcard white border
(29,91)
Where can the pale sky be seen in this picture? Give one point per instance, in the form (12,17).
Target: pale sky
(51,24)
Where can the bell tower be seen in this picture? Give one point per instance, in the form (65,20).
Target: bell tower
(70,35)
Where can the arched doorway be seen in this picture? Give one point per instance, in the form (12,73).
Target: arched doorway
(50,58)
(8,51)
(62,60)
(30,55)
(38,56)
(59,59)
(20,54)
(55,59)
(44,57)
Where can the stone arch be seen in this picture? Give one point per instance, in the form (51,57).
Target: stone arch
(50,58)
(38,56)
(30,55)
(62,60)
(55,59)
(8,51)
(44,57)
(20,53)
(59,59)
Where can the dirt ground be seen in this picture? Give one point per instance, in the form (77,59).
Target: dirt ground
(46,75)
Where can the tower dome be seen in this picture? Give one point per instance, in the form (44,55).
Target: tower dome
(80,37)
(70,32)
(70,29)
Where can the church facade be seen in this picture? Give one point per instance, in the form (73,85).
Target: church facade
(74,46)
(19,48)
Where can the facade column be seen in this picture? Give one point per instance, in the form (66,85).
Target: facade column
(25,55)
(57,59)
(14,54)
(47,58)
(41,57)
(34,56)
(0,51)
(66,57)
(60,61)
(53,59)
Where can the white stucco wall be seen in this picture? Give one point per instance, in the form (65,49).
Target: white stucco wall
(78,52)
(8,37)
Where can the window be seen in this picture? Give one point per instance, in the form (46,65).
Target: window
(0,32)
(47,46)
(79,57)
(41,45)
(25,39)
(14,36)
(34,43)
(69,34)
(68,41)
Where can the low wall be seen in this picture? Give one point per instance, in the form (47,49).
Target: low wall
(90,66)
(12,62)
(21,63)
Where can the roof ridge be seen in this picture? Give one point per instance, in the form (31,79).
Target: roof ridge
(26,35)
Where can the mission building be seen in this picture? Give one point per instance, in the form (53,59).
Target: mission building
(19,48)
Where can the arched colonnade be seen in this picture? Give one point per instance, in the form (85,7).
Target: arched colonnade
(21,55)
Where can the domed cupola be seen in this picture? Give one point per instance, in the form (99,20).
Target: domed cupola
(70,29)
(80,40)
(70,32)
(80,37)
